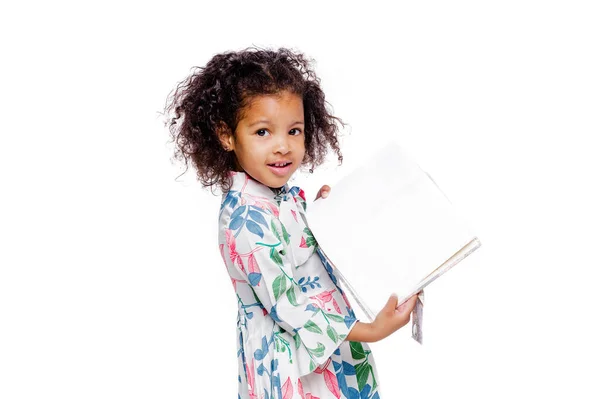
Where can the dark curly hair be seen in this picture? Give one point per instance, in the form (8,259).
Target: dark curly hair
(214,97)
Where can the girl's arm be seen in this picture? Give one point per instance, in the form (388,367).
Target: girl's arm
(388,320)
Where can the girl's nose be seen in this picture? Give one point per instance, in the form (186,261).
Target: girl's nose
(282,144)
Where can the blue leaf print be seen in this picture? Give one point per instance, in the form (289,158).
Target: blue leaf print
(348,368)
(230,200)
(260,354)
(258,218)
(273,314)
(348,320)
(303,283)
(312,307)
(353,393)
(249,315)
(254,228)
(261,369)
(238,212)
(236,223)
(276,382)
(364,394)
(254,278)
(274,364)
(226,201)
(376,396)
(336,366)
(342,384)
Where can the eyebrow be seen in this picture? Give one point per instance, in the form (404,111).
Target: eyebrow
(266,121)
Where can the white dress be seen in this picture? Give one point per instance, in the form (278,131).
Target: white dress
(292,316)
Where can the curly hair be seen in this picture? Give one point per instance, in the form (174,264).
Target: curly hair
(215,96)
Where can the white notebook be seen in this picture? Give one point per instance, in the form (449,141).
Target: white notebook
(387,227)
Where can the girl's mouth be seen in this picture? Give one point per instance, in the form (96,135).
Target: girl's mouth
(280,168)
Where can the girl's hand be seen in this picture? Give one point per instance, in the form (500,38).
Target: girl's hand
(392,317)
(323,192)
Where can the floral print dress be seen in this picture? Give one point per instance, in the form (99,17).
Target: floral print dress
(292,316)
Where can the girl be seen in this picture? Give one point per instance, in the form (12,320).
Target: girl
(248,120)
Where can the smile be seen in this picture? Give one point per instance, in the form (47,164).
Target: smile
(280,168)
(280,164)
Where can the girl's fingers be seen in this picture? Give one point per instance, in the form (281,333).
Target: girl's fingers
(323,192)
(391,303)
(407,305)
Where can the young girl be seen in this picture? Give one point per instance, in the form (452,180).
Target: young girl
(248,120)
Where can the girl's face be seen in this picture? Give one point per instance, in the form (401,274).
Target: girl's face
(269,141)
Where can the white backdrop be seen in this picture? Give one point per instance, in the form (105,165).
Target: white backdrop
(111,284)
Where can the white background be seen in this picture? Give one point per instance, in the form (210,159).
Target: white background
(111,284)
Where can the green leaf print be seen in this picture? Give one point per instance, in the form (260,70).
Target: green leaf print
(362,374)
(332,334)
(291,295)
(297,340)
(311,326)
(276,257)
(318,351)
(279,285)
(335,317)
(374,381)
(274,230)
(357,350)
(286,236)
(310,239)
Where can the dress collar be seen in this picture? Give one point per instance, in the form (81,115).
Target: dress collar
(241,181)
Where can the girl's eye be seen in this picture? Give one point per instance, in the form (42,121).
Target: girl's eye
(296,130)
(262,132)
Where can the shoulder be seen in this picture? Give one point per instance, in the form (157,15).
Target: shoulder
(247,214)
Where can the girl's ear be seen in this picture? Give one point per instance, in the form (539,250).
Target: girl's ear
(225,136)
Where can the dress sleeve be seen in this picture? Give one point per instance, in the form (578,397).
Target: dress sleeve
(260,244)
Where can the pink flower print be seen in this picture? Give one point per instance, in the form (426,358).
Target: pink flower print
(253,264)
(323,367)
(250,379)
(301,392)
(332,383)
(263,203)
(234,281)
(337,307)
(302,195)
(294,215)
(303,243)
(287,390)
(254,276)
(233,254)
(330,378)
(325,297)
